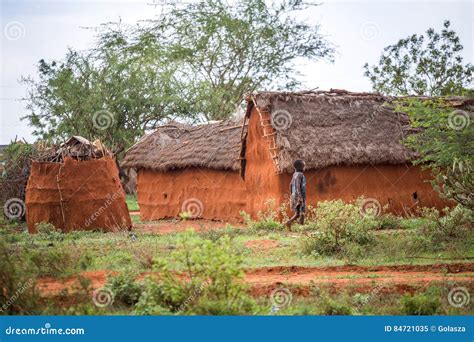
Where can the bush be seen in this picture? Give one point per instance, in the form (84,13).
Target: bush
(388,221)
(125,289)
(266,220)
(420,304)
(16,163)
(45,228)
(338,225)
(209,280)
(18,295)
(147,304)
(328,305)
(455,223)
(334,307)
(52,261)
(48,232)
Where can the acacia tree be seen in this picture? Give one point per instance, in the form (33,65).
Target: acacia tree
(193,62)
(429,64)
(99,93)
(227,51)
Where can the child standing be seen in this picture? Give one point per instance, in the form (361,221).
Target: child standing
(298,193)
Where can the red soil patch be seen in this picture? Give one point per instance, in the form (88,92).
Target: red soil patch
(262,245)
(400,278)
(52,286)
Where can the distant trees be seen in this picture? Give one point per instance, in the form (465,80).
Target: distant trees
(428,64)
(195,62)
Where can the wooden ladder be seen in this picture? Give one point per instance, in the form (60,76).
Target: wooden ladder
(269,134)
(243,146)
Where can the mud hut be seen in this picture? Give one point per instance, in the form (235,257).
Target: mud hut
(351,143)
(190,170)
(76,187)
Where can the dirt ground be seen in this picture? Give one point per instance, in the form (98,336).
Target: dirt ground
(263,280)
(262,245)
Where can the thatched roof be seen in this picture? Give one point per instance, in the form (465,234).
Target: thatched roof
(76,147)
(175,146)
(335,127)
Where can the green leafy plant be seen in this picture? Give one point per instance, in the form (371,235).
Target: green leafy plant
(18,295)
(444,145)
(45,228)
(52,261)
(455,223)
(206,279)
(420,304)
(338,224)
(266,219)
(185,215)
(125,289)
(388,221)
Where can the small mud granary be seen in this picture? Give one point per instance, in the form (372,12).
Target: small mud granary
(76,187)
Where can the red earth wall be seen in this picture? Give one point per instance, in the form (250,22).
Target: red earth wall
(261,181)
(401,189)
(91,192)
(205,193)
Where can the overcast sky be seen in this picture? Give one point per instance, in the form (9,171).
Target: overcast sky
(35,29)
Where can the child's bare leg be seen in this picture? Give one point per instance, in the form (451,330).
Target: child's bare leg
(301,221)
(291,220)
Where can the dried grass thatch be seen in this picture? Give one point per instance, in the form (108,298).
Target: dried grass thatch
(335,127)
(76,147)
(175,146)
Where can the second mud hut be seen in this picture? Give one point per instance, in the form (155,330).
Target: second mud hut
(189,170)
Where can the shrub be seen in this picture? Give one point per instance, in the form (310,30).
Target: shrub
(209,281)
(125,289)
(420,304)
(48,232)
(18,295)
(147,305)
(388,221)
(334,307)
(341,305)
(208,306)
(455,223)
(52,261)
(338,224)
(266,220)
(45,228)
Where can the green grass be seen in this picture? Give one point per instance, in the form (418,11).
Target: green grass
(132,203)
(81,251)
(119,251)
(323,301)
